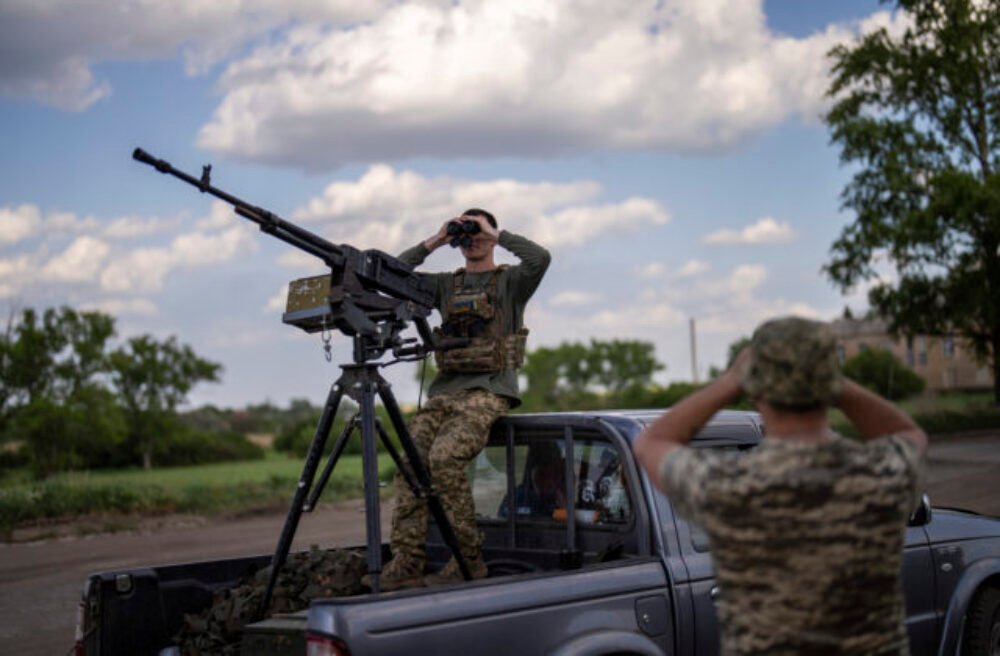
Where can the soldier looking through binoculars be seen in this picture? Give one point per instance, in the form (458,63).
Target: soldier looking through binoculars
(475,386)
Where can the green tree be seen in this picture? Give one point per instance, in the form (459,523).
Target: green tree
(882,372)
(573,375)
(152,378)
(52,388)
(918,115)
(80,431)
(622,364)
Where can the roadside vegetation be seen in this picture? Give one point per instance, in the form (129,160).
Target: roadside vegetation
(110,497)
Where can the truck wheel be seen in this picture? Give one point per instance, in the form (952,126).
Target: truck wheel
(982,626)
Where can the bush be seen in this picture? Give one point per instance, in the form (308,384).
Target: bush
(883,373)
(13,458)
(296,438)
(193,447)
(950,421)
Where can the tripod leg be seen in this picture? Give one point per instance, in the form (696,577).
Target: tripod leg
(301,490)
(423,478)
(369,456)
(401,465)
(335,453)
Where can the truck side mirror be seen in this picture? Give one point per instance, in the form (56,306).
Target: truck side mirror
(921,515)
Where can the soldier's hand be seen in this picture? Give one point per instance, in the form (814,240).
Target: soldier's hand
(440,238)
(734,374)
(484,226)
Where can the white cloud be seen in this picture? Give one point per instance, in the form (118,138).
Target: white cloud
(425,80)
(390,209)
(19,223)
(651,271)
(764,231)
(199,248)
(144,270)
(278,302)
(220,216)
(124,307)
(298,259)
(746,277)
(127,227)
(693,268)
(14,274)
(658,271)
(63,223)
(320,84)
(574,297)
(51,46)
(80,262)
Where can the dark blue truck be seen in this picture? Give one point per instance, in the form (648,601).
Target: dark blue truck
(626,576)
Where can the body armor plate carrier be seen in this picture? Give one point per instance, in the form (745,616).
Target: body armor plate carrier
(478,317)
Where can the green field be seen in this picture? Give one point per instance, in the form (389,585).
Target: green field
(204,489)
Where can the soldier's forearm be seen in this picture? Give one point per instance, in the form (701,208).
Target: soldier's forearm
(677,426)
(415,255)
(874,416)
(534,260)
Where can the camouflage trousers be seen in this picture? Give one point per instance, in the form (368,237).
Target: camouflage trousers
(449,431)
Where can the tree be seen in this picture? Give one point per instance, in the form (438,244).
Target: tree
(918,115)
(53,396)
(572,375)
(152,378)
(622,364)
(882,372)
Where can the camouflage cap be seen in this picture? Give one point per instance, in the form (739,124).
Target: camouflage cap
(793,362)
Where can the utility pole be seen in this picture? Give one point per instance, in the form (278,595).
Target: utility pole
(694,353)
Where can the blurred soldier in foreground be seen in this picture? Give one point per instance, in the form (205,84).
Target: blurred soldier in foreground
(807,529)
(475,386)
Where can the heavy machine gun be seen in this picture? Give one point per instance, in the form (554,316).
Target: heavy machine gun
(371,297)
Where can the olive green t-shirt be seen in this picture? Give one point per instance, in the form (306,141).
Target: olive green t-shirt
(515,285)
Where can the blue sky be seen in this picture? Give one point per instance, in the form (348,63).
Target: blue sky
(669,154)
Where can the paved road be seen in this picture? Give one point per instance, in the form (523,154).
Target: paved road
(40,581)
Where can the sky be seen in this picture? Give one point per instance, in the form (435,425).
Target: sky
(671,155)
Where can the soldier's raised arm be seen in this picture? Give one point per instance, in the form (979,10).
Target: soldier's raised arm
(535,260)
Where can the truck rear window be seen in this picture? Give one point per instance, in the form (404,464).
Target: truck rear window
(542,481)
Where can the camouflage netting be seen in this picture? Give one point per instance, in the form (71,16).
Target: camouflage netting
(306,576)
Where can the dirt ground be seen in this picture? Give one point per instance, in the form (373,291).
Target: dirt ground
(40,579)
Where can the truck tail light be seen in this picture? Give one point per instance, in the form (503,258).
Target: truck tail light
(321,645)
(81,621)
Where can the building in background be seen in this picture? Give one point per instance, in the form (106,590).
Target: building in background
(945,363)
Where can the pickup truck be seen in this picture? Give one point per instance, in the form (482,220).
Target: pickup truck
(626,576)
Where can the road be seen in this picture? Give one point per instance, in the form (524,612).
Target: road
(40,581)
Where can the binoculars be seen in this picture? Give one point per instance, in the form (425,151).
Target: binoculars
(461,232)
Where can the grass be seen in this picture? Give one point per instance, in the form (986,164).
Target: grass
(204,489)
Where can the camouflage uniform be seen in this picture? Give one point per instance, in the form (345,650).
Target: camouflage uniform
(806,536)
(448,432)
(806,539)
(453,427)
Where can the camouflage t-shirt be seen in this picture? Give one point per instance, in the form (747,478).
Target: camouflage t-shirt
(806,538)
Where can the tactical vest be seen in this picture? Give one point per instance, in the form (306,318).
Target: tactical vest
(478,316)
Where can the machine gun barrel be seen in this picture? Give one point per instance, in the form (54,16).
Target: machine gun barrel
(374,269)
(268,221)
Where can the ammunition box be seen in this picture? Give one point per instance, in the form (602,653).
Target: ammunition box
(308,305)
